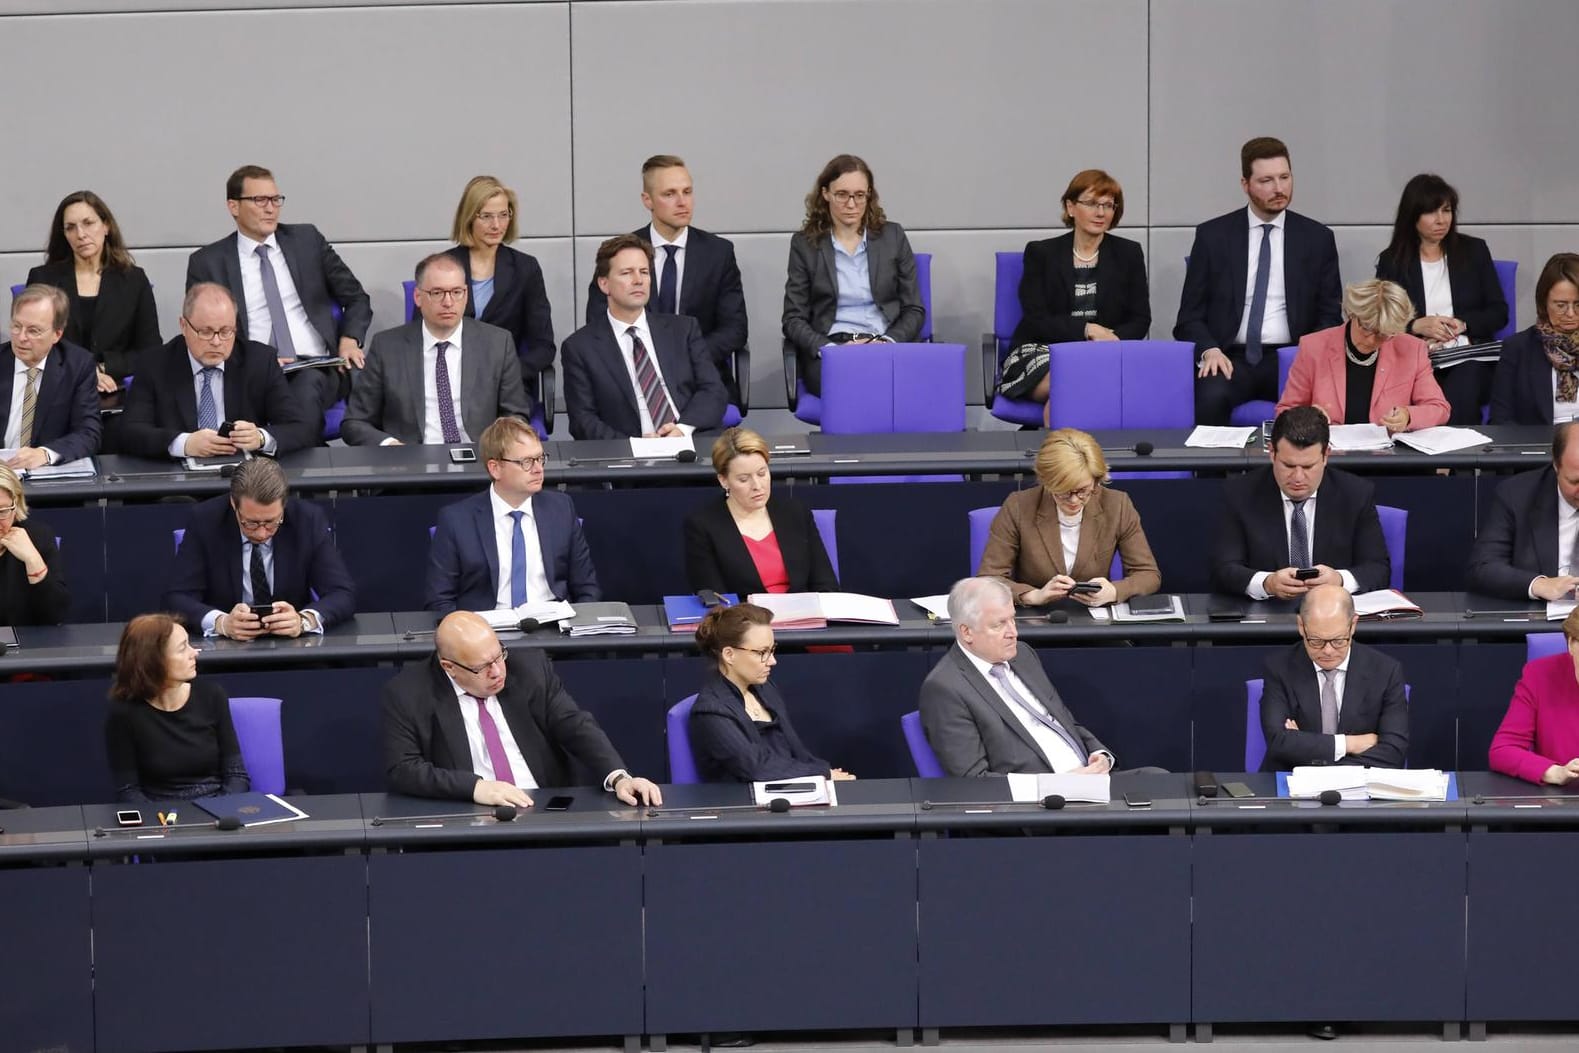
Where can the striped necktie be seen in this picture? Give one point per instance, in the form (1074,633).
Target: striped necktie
(650,384)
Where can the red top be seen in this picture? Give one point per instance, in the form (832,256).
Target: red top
(769,562)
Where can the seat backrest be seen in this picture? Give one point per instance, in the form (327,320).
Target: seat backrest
(924,287)
(257,722)
(1158,383)
(1543,645)
(410,286)
(178,534)
(1006,311)
(827,520)
(1255,738)
(1507,275)
(682,763)
(1395,531)
(16,290)
(870,388)
(925,760)
(980,523)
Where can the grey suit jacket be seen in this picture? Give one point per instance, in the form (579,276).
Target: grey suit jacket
(974,732)
(811,291)
(386,397)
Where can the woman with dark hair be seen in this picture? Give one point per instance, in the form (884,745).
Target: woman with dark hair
(168,735)
(112,304)
(1537,377)
(1453,285)
(852,276)
(740,730)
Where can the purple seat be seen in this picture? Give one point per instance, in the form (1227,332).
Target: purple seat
(1255,738)
(873,388)
(1121,384)
(981,524)
(1251,414)
(332,419)
(1543,645)
(178,534)
(16,290)
(682,763)
(826,520)
(257,722)
(1507,273)
(921,754)
(1006,315)
(1395,529)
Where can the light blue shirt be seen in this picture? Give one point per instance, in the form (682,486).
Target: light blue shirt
(216,385)
(857,311)
(246,585)
(482,292)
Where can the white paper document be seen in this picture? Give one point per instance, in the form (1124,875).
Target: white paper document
(1396,784)
(510,618)
(1207,437)
(81,468)
(1557,610)
(1383,602)
(657,449)
(936,606)
(814,610)
(1441,439)
(1310,783)
(801,790)
(1359,437)
(1089,789)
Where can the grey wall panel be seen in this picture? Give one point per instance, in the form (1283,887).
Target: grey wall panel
(957,106)
(1346,83)
(73,7)
(362,144)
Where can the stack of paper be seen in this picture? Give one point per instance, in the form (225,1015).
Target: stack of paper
(1557,610)
(1442,439)
(1392,784)
(657,449)
(1089,789)
(600,619)
(1385,603)
(814,610)
(1207,437)
(935,606)
(1310,783)
(81,468)
(1359,437)
(508,618)
(804,790)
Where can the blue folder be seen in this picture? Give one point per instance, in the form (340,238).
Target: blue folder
(686,611)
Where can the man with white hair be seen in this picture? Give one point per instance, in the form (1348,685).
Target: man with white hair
(988,707)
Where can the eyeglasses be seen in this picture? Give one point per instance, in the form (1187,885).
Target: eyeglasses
(1552,306)
(526,463)
(446,295)
(263,200)
(495,217)
(847,197)
(1335,643)
(32,332)
(764,654)
(211,335)
(270,525)
(1081,495)
(497,659)
(1097,206)
(1369,330)
(7,512)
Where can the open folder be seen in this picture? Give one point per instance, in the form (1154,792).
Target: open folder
(814,610)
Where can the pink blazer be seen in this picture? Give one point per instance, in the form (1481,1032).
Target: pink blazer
(1403,378)
(1541,727)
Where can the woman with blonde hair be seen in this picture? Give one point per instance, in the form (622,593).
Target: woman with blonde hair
(32,583)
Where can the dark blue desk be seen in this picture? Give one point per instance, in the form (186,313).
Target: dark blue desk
(46,968)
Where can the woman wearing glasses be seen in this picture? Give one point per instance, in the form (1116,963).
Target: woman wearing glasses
(1537,378)
(1368,370)
(740,729)
(852,276)
(32,584)
(168,735)
(506,285)
(1084,285)
(1047,540)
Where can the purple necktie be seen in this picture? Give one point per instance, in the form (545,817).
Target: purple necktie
(494,744)
(276,305)
(651,385)
(441,385)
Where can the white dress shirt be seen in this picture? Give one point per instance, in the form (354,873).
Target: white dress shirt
(537,590)
(260,327)
(216,388)
(432,430)
(628,356)
(658,262)
(1274,322)
(1567,531)
(1058,753)
(1257,588)
(13,428)
(1439,294)
(482,764)
(1340,743)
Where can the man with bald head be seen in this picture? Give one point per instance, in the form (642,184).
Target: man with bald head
(477,722)
(1329,700)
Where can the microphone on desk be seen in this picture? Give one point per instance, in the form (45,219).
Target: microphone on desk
(685,456)
(526,625)
(1325,797)
(1140,449)
(778,806)
(228,822)
(503,813)
(1052,802)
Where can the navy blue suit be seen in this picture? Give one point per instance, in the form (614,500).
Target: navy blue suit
(599,395)
(519,305)
(66,415)
(1521,385)
(463,562)
(208,566)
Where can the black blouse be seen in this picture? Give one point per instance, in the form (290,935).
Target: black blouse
(191,752)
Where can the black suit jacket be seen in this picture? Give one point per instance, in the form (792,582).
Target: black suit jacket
(163,402)
(811,287)
(1252,536)
(320,276)
(600,398)
(66,415)
(1521,386)
(463,561)
(1373,704)
(208,566)
(728,746)
(1047,292)
(519,305)
(425,749)
(1517,539)
(46,603)
(711,292)
(1213,301)
(716,556)
(1472,277)
(125,320)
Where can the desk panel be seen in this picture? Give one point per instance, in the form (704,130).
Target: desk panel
(46,971)
(1521,893)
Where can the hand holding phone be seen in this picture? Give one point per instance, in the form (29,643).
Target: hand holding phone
(1086,587)
(1306,573)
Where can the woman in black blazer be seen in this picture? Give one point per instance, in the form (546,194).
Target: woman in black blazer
(506,285)
(749,541)
(32,581)
(844,218)
(1057,304)
(740,730)
(112,303)
(1452,283)
(1539,367)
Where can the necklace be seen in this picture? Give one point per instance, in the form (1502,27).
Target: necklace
(1354,355)
(1090,258)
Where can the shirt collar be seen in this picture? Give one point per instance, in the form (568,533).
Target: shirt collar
(658,241)
(23,367)
(983,666)
(1256,221)
(860,246)
(198,367)
(1343,666)
(501,509)
(619,327)
(248,247)
(429,340)
(1288,502)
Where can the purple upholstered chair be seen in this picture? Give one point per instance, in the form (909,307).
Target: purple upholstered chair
(1507,273)
(1251,414)
(994,345)
(257,722)
(826,519)
(873,388)
(682,763)
(1121,384)
(1395,528)
(1255,738)
(925,760)
(981,524)
(1543,645)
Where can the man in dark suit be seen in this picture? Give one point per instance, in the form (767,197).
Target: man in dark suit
(477,723)
(694,272)
(1525,548)
(988,707)
(1246,297)
(244,551)
(205,378)
(514,543)
(51,412)
(633,372)
(286,280)
(1328,700)
(442,377)
(1271,530)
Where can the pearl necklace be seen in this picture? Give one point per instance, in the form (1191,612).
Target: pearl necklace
(1353,353)
(1087,259)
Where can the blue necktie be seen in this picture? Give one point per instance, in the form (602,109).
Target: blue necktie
(1258,298)
(669,284)
(276,305)
(207,412)
(517,561)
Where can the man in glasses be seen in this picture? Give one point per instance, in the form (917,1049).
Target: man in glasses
(1527,546)
(513,544)
(1296,525)
(51,412)
(248,566)
(211,393)
(287,280)
(441,377)
(1329,700)
(476,722)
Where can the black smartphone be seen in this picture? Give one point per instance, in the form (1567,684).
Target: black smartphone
(463,455)
(1306,573)
(790,787)
(1086,586)
(1135,800)
(129,817)
(1238,789)
(225,428)
(559,804)
(262,610)
(708,597)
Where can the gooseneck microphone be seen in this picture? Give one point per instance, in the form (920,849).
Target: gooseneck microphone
(228,822)
(503,813)
(1325,797)
(1052,802)
(685,456)
(778,806)
(1140,449)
